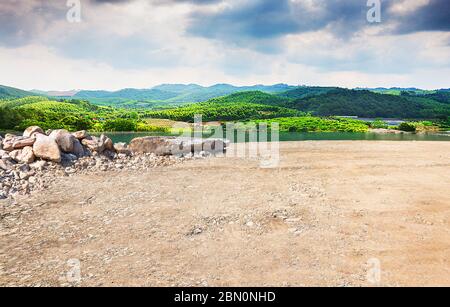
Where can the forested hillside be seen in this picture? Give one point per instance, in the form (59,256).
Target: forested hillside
(362,103)
(10,92)
(212,111)
(17,114)
(305,91)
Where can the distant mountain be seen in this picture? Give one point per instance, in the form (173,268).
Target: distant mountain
(56,93)
(176,93)
(129,93)
(11,92)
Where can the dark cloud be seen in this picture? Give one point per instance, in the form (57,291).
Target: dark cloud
(262,19)
(435,16)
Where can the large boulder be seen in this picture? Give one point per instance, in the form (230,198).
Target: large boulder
(99,144)
(64,139)
(31,131)
(161,146)
(109,145)
(22,142)
(46,148)
(214,145)
(93,144)
(81,135)
(78,149)
(166,146)
(25,155)
(13,142)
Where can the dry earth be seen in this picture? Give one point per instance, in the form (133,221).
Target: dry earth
(316,220)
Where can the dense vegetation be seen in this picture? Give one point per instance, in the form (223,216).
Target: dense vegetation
(214,111)
(173,94)
(317,124)
(293,107)
(342,102)
(306,91)
(17,114)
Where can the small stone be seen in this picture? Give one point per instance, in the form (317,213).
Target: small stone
(6,164)
(70,170)
(39,165)
(25,155)
(24,176)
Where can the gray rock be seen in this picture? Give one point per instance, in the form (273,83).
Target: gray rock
(64,139)
(167,146)
(24,168)
(67,157)
(122,148)
(161,146)
(78,149)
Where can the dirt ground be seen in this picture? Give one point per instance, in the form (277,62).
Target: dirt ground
(332,214)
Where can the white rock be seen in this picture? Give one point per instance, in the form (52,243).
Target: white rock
(46,148)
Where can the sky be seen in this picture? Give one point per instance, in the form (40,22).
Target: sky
(142,43)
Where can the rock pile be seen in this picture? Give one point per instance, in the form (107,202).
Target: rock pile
(31,161)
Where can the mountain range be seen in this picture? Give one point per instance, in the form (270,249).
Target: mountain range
(320,101)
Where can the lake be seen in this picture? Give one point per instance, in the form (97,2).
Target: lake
(126,137)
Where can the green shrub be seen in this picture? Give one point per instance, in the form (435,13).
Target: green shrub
(120,124)
(408,127)
(379,124)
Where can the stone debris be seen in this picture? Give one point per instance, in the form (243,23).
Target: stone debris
(30,162)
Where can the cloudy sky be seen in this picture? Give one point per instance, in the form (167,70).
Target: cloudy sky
(142,43)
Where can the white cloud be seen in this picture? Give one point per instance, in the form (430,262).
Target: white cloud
(140,44)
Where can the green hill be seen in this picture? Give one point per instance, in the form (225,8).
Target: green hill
(7,92)
(343,102)
(48,114)
(172,94)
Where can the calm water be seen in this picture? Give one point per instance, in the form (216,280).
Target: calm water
(316,136)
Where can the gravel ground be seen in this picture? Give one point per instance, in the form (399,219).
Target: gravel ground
(330,215)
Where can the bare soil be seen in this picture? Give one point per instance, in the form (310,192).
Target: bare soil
(321,218)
